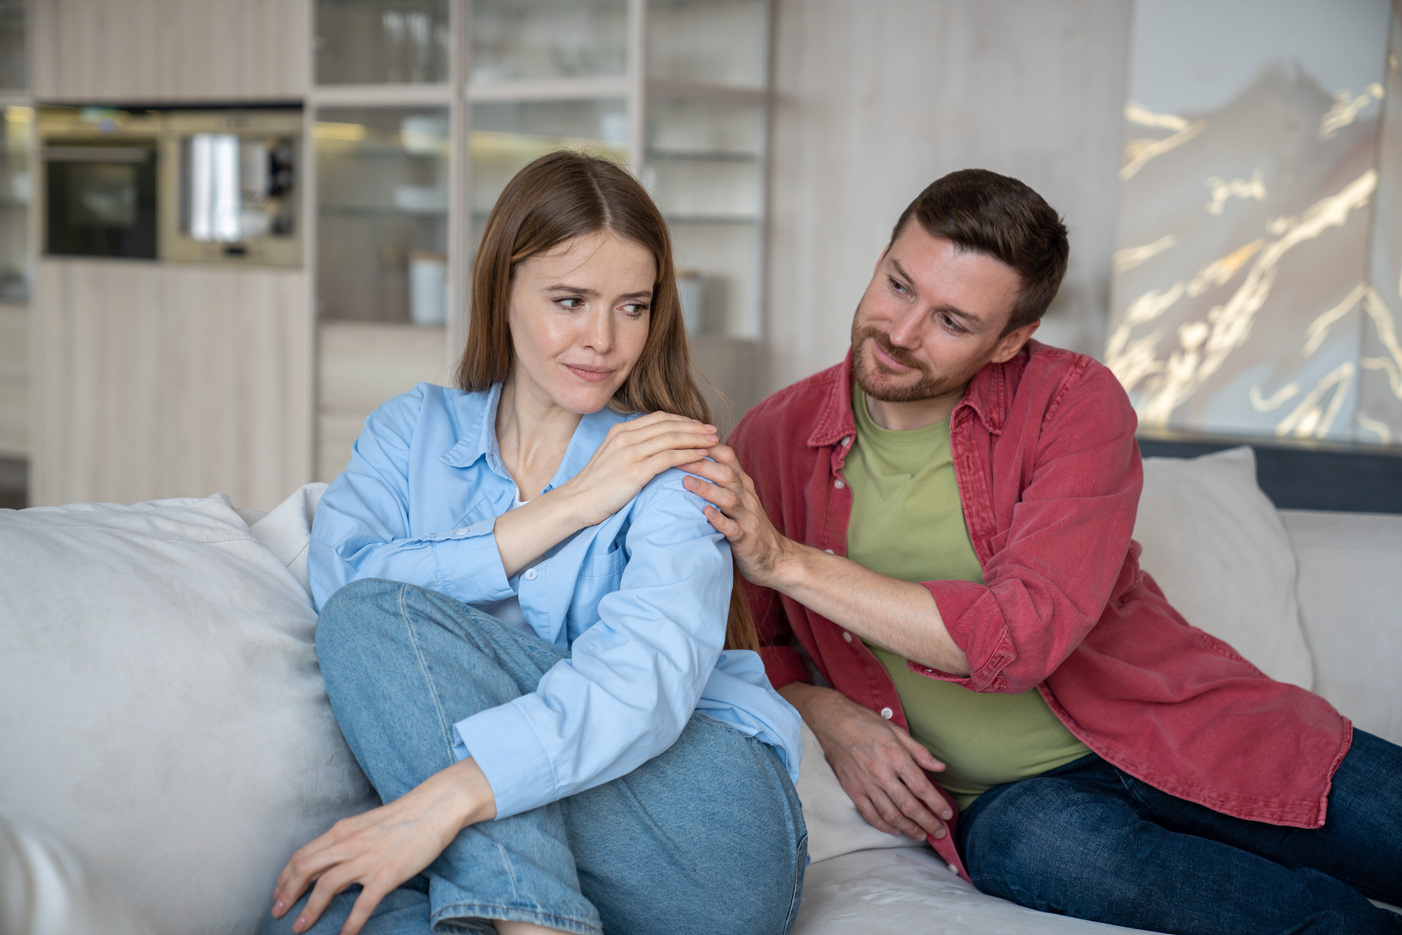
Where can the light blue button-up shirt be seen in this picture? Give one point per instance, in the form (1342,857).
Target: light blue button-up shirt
(640,599)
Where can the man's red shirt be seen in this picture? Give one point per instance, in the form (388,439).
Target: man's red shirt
(1049,477)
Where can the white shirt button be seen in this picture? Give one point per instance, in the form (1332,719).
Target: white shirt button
(838,484)
(462,532)
(829,551)
(954,870)
(847,636)
(846,440)
(887,713)
(530,574)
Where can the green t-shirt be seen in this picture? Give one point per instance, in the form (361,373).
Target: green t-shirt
(907,522)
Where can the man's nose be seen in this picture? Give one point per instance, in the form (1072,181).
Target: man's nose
(905,327)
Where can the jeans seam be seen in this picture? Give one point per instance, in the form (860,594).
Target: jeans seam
(423,668)
(582,926)
(800,860)
(510,871)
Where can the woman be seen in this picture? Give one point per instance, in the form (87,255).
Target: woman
(538,691)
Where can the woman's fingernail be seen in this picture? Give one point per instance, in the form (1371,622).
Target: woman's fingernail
(300,924)
(277,908)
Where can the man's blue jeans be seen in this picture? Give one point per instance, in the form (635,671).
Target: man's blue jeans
(1091,841)
(706,837)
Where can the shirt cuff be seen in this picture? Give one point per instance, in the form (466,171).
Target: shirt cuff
(469,564)
(505,746)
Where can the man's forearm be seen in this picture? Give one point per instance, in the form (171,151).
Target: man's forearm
(898,615)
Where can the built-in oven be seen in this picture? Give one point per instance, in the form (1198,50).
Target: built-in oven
(203,186)
(101,182)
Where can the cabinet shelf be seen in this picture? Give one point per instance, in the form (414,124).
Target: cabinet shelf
(377,211)
(699,219)
(663,155)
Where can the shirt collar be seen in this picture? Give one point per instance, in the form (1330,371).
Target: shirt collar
(985,396)
(477,414)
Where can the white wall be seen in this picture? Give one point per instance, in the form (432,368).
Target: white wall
(876,99)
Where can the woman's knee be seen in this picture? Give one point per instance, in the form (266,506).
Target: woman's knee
(357,613)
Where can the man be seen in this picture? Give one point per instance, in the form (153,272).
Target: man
(942,524)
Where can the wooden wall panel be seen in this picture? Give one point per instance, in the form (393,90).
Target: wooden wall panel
(14,381)
(164,381)
(148,51)
(363,364)
(873,101)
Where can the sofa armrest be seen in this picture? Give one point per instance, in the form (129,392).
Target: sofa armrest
(1350,591)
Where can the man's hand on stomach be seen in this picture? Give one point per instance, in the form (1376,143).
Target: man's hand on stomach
(881,768)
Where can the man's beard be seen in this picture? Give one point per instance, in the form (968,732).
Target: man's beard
(879,384)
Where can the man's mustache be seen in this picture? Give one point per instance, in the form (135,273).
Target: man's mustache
(898,354)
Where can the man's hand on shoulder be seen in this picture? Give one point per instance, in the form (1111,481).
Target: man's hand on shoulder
(881,768)
(737,514)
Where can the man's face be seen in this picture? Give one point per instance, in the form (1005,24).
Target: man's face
(932,316)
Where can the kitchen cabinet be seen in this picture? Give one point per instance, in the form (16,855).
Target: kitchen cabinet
(154,51)
(422,111)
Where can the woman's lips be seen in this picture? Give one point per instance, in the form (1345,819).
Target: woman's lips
(590,374)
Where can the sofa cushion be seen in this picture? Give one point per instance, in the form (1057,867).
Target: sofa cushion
(1216,545)
(163,708)
(47,889)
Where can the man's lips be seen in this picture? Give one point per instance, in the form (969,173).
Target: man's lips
(884,356)
(590,374)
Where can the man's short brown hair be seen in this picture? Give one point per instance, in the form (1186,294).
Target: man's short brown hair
(1001,217)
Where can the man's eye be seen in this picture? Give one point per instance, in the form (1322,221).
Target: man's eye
(953,325)
(898,286)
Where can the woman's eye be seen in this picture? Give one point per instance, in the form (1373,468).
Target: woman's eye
(569,301)
(636,309)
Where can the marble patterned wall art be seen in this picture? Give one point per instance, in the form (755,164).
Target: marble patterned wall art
(1257,272)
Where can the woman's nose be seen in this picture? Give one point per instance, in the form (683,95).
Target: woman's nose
(598,333)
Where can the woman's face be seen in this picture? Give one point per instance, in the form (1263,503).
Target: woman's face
(579,318)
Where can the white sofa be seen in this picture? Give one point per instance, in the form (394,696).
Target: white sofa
(165,742)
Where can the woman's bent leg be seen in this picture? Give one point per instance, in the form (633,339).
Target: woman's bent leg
(1076,841)
(706,838)
(402,664)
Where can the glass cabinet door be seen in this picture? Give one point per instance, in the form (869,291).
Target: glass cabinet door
(14,64)
(382,213)
(704,164)
(506,135)
(16,191)
(709,42)
(533,40)
(382,41)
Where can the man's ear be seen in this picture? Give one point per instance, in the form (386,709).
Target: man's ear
(1011,343)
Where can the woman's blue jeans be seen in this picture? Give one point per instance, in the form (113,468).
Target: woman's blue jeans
(706,837)
(1091,841)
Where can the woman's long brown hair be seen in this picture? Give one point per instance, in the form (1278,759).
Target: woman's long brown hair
(564,195)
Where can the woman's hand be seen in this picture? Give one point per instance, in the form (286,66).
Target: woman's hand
(385,846)
(632,454)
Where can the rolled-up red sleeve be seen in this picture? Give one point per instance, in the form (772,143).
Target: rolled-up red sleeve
(1054,568)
